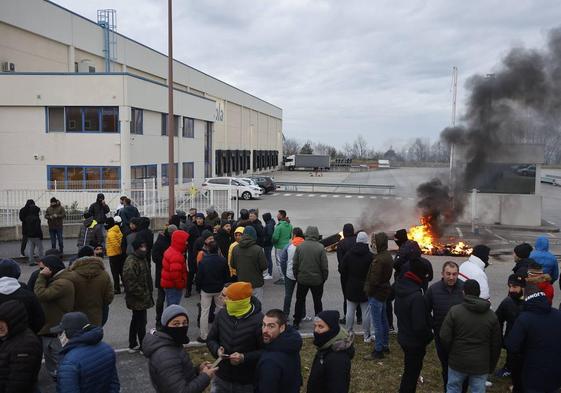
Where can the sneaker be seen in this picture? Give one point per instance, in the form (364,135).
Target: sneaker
(308,318)
(369,339)
(201,340)
(280,281)
(134,349)
(392,331)
(488,384)
(268,277)
(502,373)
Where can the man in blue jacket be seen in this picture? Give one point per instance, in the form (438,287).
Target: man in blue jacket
(87,364)
(278,369)
(536,335)
(542,256)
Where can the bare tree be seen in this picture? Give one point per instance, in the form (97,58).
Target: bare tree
(291,146)
(307,148)
(360,147)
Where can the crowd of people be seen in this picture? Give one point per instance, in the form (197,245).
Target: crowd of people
(60,312)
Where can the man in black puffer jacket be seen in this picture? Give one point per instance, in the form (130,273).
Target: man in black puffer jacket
(20,350)
(99,209)
(236,332)
(343,247)
(278,370)
(413,324)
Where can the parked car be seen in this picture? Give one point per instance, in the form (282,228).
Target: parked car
(266,183)
(245,191)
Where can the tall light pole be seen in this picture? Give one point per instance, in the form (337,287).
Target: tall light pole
(171,128)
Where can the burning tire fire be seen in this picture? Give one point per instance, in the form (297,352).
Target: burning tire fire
(427,239)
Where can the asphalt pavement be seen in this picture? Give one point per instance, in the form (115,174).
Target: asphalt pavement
(329,211)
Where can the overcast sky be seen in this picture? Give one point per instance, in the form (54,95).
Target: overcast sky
(341,68)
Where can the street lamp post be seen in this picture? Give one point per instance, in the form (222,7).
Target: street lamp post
(171,126)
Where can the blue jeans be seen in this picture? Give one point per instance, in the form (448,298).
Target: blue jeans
(380,321)
(173,296)
(269,257)
(56,234)
(456,379)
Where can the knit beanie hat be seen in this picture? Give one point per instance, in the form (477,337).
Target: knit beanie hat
(239,290)
(200,215)
(250,231)
(534,267)
(532,291)
(171,312)
(362,237)
(9,268)
(401,235)
(517,279)
(171,228)
(523,250)
(175,220)
(481,251)
(118,220)
(348,230)
(86,251)
(54,263)
(53,200)
(206,234)
(331,318)
(418,268)
(239,230)
(210,210)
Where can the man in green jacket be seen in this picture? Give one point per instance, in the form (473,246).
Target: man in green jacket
(310,268)
(248,258)
(137,281)
(281,238)
(55,216)
(55,291)
(472,335)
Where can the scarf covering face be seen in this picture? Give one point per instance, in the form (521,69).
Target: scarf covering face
(238,308)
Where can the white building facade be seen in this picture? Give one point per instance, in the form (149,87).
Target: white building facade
(80,104)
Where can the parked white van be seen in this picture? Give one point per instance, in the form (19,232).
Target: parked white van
(237,187)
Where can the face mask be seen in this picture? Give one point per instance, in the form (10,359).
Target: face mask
(178,334)
(63,339)
(515,296)
(320,339)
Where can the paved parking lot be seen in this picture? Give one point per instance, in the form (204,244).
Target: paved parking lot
(329,211)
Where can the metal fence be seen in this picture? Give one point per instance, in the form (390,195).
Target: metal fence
(150,200)
(347,188)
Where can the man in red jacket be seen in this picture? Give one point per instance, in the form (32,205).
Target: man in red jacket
(174,268)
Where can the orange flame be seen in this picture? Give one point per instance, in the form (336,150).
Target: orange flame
(425,236)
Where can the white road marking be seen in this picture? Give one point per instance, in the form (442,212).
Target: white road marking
(299,195)
(460,233)
(348,196)
(385,197)
(323,196)
(360,197)
(336,196)
(287,194)
(497,236)
(551,222)
(399,198)
(373,197)
(550,234)
(311,195)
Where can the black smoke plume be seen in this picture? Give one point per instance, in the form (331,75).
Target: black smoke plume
(520,103)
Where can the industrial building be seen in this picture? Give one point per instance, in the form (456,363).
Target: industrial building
(83,106)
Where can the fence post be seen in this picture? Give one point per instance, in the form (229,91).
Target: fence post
(144,202)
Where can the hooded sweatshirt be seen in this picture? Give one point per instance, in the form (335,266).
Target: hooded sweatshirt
(310,266)
(287,257)
(11,289)
(474,269)
(249,261)
(472,334)
(547,260)
(379,274)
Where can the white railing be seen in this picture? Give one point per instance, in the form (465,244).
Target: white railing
(151,200)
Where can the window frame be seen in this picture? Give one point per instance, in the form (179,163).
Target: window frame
(165,165)
(164,124)
(100,111)
(136,130)
(188,120)
(187,179)
(100,168)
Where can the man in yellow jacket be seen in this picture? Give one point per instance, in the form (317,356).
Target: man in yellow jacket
(237,236)
(115,252)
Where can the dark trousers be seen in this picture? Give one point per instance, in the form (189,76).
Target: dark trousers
(160,299)
(56,235)
(514,364)
(389,307)
(412,365)
(192,264)
(23,244)
(358,309)
(137,328)
(116,263)
(301,292)
(443,357)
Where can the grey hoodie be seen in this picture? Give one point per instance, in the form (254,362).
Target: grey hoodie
(310,260)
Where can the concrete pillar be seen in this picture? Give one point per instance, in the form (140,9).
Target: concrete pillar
(71,58)
(125,148)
